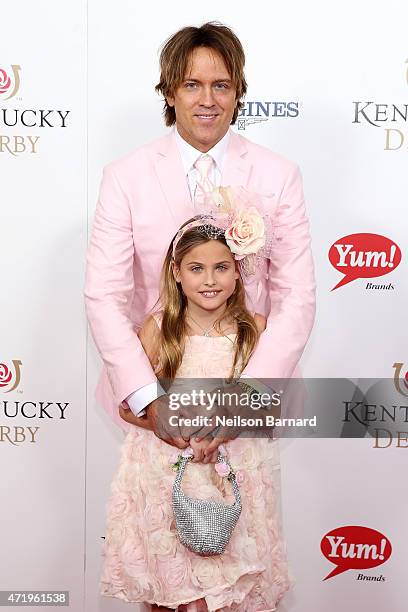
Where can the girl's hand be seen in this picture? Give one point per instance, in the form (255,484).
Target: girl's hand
(211,449)
(199,448)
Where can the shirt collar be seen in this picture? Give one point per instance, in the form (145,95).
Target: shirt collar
(189,154)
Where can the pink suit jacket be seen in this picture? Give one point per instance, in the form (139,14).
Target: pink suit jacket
(144,199)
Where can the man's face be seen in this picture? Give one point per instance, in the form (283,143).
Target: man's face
(205,101)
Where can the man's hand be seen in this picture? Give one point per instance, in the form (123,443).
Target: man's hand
(157,421)
(235,402)
(205,418)
(159,413)
(127,415)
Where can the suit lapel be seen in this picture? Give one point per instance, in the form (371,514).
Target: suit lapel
(173,183)
(237,168)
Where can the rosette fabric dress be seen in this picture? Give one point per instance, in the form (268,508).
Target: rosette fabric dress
(143,560)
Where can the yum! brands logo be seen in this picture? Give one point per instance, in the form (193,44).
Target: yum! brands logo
(10,376)
(364,256)
(353,547)
(9,82)
(15,121)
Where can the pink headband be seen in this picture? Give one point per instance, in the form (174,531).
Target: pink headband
(207,222)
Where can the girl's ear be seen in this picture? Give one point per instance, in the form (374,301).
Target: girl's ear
(176,271)
(236,271)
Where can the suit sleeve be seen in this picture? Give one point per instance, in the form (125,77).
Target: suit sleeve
(291,286)
(109,288)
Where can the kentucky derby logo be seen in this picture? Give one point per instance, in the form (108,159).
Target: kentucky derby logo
(10,81)
(256,112)
(392,118)
(18,138)
(8,378)
(401,383)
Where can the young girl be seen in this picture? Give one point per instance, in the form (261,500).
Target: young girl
(202,330)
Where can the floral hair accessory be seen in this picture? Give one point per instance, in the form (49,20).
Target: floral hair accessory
(237,215)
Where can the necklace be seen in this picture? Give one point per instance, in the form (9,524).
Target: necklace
(206,332)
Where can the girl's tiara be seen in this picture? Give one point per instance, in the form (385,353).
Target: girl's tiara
(235,214)
(207,225)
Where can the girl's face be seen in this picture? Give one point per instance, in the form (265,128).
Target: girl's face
(208,275)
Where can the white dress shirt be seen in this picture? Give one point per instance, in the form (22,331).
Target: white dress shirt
(139,399)
(189,156)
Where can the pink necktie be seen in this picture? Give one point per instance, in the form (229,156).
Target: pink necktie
(203,165)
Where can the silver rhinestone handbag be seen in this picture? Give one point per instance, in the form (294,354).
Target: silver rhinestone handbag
(205,526)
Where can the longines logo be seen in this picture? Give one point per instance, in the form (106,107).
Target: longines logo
(257,112)
(11,409)
(388,116)
(12,119)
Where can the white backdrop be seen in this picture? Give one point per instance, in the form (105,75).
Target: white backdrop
(99,61)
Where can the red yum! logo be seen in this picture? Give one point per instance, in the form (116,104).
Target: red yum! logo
(355,547)
(363,256)
(9,81)
(10,376)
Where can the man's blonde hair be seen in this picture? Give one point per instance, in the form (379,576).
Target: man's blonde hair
(176,55)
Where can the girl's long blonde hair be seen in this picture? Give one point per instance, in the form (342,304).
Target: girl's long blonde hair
(173,303)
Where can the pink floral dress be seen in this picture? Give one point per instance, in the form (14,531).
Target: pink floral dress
(143,560)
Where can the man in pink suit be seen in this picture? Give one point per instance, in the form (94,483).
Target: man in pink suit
(146,196)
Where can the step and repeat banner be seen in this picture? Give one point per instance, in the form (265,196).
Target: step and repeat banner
(328,88)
